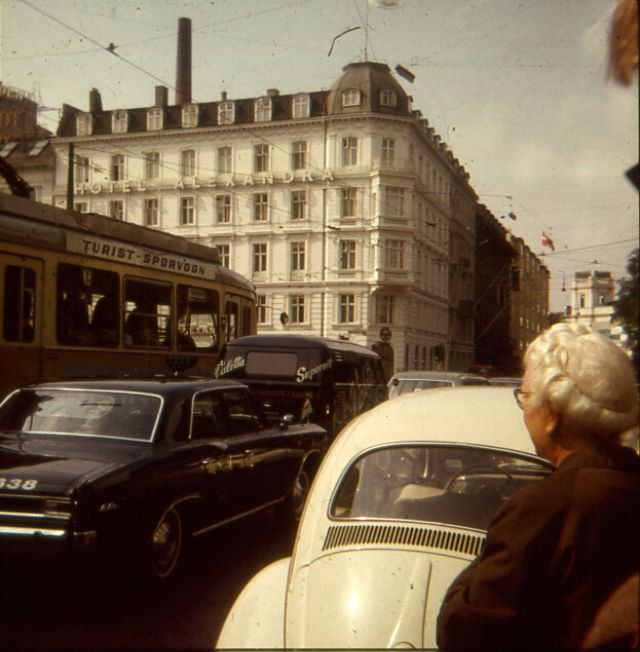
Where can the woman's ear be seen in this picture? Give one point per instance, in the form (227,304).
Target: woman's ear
(551,419)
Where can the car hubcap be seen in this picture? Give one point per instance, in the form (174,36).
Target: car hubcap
(300,491)
(166,542)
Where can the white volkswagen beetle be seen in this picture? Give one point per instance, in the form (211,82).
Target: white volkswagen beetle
(399,507)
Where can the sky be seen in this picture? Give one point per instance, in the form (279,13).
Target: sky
(518,89)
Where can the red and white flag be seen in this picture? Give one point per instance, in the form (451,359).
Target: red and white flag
(547,241)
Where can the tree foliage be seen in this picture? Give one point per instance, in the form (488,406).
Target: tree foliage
(626,306)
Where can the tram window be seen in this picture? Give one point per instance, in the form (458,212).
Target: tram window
(88,306)
(19,304)
(198,317)
(246,320)
(231,312)
(147,314)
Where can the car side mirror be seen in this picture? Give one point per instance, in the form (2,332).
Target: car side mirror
(286,421)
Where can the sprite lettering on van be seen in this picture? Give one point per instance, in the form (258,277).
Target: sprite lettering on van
(302,374)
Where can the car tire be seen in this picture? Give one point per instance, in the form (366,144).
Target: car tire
(290,511)
(165,544)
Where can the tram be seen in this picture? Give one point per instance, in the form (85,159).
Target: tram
(84,295)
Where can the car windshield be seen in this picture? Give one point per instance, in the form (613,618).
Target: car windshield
(84,413)
(455,485)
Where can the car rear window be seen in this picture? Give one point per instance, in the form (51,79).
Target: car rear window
(452,485)
(82,413)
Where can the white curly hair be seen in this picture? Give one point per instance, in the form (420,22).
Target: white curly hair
(588,381)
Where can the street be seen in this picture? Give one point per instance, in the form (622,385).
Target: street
(54,605)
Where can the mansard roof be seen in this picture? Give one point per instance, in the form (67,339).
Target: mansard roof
(370,79)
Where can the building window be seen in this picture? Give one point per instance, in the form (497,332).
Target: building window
(226,113)
(81,207)
(151,165)
(347,308)
(351,97)
(260,207)
(260,257)
(117,167)
(347,254)
(82,169)
(394,254)
(301,106)
(384,309)
(262,109)
(299,205)
(261,308)
(296,308)
(582,300)
(299,155)
(187,210)
(84,124)
(388,151)
(394,201)
(224,160)
(388,98)
(225,254)
(155,119)
(116,209)
(188,163)
(261,158)
(223,209)
(151,212)
(119,122)
(349,151)
(189,116)
(349,202)
(298,250)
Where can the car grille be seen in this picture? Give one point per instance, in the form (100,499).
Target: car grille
(34,510)
(339,536)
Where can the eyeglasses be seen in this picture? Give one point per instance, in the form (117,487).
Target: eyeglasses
(520,395)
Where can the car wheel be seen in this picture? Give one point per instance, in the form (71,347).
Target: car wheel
(165,544)
(299,494)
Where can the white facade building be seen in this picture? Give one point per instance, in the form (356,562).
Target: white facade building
(343,207)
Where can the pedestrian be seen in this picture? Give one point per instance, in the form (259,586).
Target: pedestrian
(564,546)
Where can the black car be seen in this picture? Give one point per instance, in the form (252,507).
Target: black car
(133,467)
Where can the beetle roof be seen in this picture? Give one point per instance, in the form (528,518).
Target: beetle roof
(476,415)
(435,375)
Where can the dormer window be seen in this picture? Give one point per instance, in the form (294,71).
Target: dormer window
(155,119)
(226,113)
(388,98)
(262,109)
(83,124)
(119,122)
(351,97)
(189,116)
(300,107)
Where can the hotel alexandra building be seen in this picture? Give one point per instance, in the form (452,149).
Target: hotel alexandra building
(344,208)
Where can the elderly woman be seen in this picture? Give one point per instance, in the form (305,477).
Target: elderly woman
(561,547)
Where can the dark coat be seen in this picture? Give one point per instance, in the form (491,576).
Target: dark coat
(553,555)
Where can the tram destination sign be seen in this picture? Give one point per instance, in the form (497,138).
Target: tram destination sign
(121,252)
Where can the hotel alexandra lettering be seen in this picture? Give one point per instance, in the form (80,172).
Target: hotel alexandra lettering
(193,183)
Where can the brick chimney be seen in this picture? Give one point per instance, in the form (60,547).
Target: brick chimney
(95,101)
(183,63)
